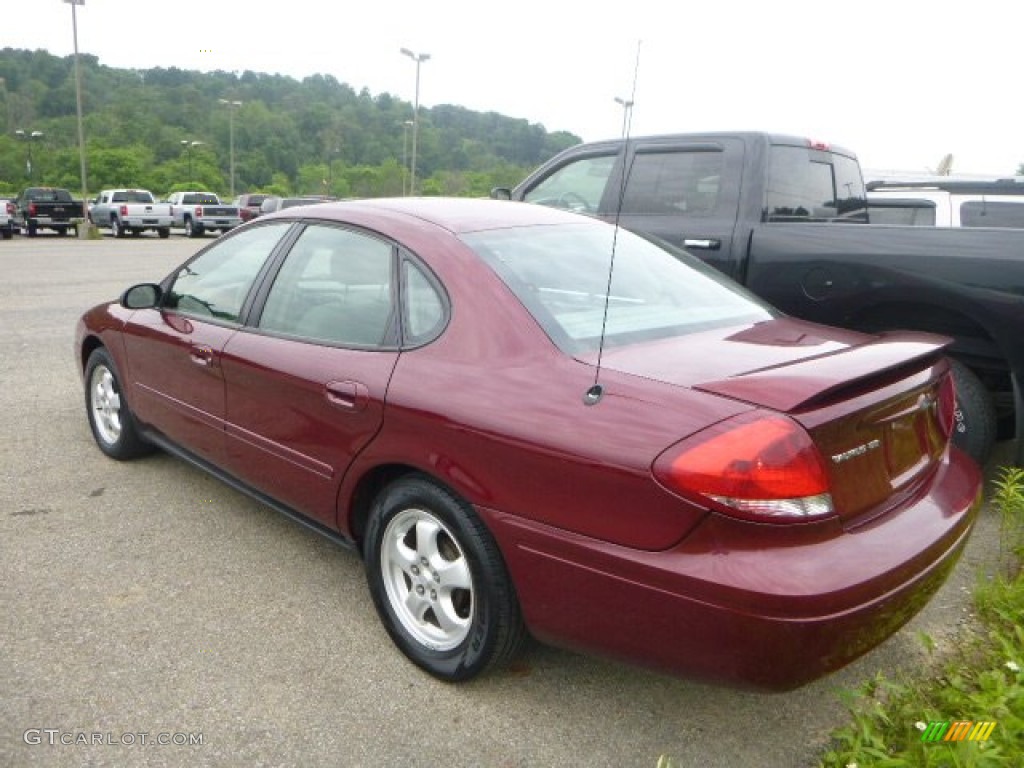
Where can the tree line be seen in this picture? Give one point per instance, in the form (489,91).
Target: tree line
(172,129)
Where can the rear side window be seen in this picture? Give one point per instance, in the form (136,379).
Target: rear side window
(675,183)
(982,213)
(334,287)
(806,184)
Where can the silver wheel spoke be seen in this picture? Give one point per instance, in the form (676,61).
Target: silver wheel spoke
(427,579)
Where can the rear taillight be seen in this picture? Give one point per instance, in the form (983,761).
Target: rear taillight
(31,209)
(757,466)
(199,211)
(124,210)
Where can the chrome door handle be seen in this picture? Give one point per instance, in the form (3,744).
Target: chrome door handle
(706,244)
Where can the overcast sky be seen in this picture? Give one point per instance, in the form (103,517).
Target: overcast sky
(900,82)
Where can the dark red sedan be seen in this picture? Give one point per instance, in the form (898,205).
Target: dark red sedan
(526,420)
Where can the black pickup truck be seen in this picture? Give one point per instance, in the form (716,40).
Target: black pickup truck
(788,218)
(47,208)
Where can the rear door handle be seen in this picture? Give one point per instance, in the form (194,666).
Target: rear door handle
(350,396)
(706,244)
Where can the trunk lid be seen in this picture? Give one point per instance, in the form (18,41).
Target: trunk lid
(878,408)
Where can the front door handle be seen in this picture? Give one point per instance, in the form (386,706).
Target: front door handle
(201,356)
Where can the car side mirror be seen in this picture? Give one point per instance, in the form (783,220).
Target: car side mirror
(501,193)
(143,296)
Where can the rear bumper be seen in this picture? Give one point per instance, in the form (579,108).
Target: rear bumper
(751,605)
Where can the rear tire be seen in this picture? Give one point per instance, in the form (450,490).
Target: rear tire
(164,233)
(116,229)
(975,425)
(439,582)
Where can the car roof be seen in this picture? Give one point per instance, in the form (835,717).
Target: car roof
(455,214)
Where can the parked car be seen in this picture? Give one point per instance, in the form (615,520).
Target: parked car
(249,205)
(47,208)
(277,203)
(668,472)
(199,212)
(133,211)
(944,201)
(788,218)
(8,216)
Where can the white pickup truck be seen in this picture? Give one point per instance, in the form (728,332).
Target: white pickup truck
(130,210)
(8,212)
(197,212)
(947,201)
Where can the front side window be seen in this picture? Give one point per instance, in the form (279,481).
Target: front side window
(560,274)
(214,285)
(335,286)
(577,186)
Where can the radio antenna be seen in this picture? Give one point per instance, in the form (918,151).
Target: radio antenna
(596,392)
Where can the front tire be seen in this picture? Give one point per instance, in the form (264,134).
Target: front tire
(112,423)
(439,582)
(975,425)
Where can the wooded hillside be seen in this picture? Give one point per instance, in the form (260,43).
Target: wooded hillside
(148,128)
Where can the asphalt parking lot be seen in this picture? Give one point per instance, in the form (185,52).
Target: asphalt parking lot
(147,603)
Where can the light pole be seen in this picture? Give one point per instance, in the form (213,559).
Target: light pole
(627,106)
(405,155)
(28,137)
(78,98)
(188,151)
(419,58)
(232,106)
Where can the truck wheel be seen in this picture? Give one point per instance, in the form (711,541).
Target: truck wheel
(8,234)
(974,425)
(192,230)
(115,228)
(164,232)
(32,231)
(136,233)
(62,231)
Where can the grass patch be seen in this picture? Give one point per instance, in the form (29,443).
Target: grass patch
(982,681)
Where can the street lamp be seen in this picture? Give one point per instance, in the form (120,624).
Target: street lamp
(78,97)
(188,151)
(405,154)
(29,137)
(231,105)
(627,107)
(419,59)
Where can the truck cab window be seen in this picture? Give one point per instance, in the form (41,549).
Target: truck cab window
(577,186)
(806,184)
(673,183)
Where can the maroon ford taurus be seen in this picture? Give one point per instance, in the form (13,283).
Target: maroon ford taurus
(527,421)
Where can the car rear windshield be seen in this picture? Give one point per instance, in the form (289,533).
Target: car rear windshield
(560,274)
